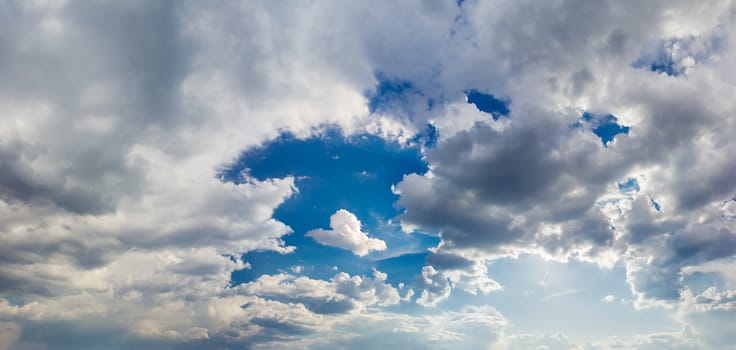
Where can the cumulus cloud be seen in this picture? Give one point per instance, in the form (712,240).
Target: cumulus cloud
(345,234)
(342,293)
(116,230)
(434,286)
(656,270)
(467,274)
(108,162)
(543,183)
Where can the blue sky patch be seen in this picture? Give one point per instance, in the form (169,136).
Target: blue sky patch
(605,127)
(488,103)
(673,56)
(428,137)
(657,57)
(332,172)
(659,64)
(402,268)
(656,205)
(396,95)
(629,186)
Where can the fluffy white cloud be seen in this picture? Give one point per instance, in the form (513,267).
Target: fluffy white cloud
(448,271)
(345,233)
(343,293)
(434,286)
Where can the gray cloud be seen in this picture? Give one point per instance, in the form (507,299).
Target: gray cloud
(537,184)
(660,278)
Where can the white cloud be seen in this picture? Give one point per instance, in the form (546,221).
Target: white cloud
(345,233)
(496,191)
(470,275)
(342,293)
(110,207)
(608,298)
(434,287)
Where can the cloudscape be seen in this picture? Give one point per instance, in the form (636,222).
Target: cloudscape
(415,174)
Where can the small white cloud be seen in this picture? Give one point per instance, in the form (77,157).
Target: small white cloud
(345,234)
(409,294)
(296,269)
(608,298)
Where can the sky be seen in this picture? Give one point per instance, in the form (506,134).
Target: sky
(418,174)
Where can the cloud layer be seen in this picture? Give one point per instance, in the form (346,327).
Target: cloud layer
(116,119)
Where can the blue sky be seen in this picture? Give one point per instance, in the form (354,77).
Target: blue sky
(400,175)
(333,172)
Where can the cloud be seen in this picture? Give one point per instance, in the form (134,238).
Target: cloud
(108,190)
(345,234)
(608,298)
(342,293)
(469,327)
(489,200)
(537,184)
(685,339)
(467,274)
(655,271)
(682,340)
(116,231)
(711,322)
(434,286)
(9,334)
